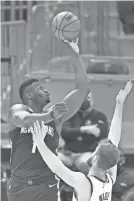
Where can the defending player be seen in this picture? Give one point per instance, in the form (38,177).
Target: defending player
(31,179)
(97,185)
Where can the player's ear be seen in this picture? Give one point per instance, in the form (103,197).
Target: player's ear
(94,159)
(29,95)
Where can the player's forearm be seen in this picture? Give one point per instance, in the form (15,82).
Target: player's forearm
(49,157)
(31,118)
(116,125)
(80,72)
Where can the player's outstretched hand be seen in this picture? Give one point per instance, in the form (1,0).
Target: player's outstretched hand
(73,45)
(39,132)
(123,93)
(59,109)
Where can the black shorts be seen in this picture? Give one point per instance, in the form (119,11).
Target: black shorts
(41,192)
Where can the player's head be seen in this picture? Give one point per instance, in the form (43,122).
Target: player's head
(32,91)
(88,102)
(105,156)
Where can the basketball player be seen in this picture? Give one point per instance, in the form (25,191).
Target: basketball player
(31,179)
(97,185)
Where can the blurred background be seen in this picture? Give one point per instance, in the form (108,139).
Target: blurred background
(29,49)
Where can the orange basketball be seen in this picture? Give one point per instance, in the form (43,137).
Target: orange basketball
(66,26)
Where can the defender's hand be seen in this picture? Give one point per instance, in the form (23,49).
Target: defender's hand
(124,93)
(39,132)
(59,109)
(73,45)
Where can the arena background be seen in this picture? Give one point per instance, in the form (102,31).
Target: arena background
(29,49)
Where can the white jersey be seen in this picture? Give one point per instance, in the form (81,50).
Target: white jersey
(101,191)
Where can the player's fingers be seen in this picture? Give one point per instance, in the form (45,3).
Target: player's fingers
(42,124)
(43,128)
(67,41)
(35,130)
(35,127)
(60,104)
(38,129)
(32,129)
(129,86)
(77,40)
(62,107)
(38,126)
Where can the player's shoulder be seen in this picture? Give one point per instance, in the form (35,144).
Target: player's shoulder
(83,182)
(81,179)
(17,108)
(110,177)
(20,107)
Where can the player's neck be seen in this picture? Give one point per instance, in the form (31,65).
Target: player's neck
(36,108)
(99,173)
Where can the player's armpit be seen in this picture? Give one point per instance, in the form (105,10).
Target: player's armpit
(113,173)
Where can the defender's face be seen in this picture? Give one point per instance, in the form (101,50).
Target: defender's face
(39,94)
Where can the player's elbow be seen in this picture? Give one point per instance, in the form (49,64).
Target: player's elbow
(57,168)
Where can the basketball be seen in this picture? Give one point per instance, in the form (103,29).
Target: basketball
(66,26)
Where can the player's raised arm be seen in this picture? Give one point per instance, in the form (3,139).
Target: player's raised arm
(116,125)
(20,115)
(53,162)
(75,98)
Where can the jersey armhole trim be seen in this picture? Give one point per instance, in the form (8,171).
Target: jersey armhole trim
(91,185)
(111,178)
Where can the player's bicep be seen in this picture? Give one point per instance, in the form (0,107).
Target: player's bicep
(74,101)
(113,173)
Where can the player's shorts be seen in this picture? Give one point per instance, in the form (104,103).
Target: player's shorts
(20,191)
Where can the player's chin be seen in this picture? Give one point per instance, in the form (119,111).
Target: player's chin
(48,100)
